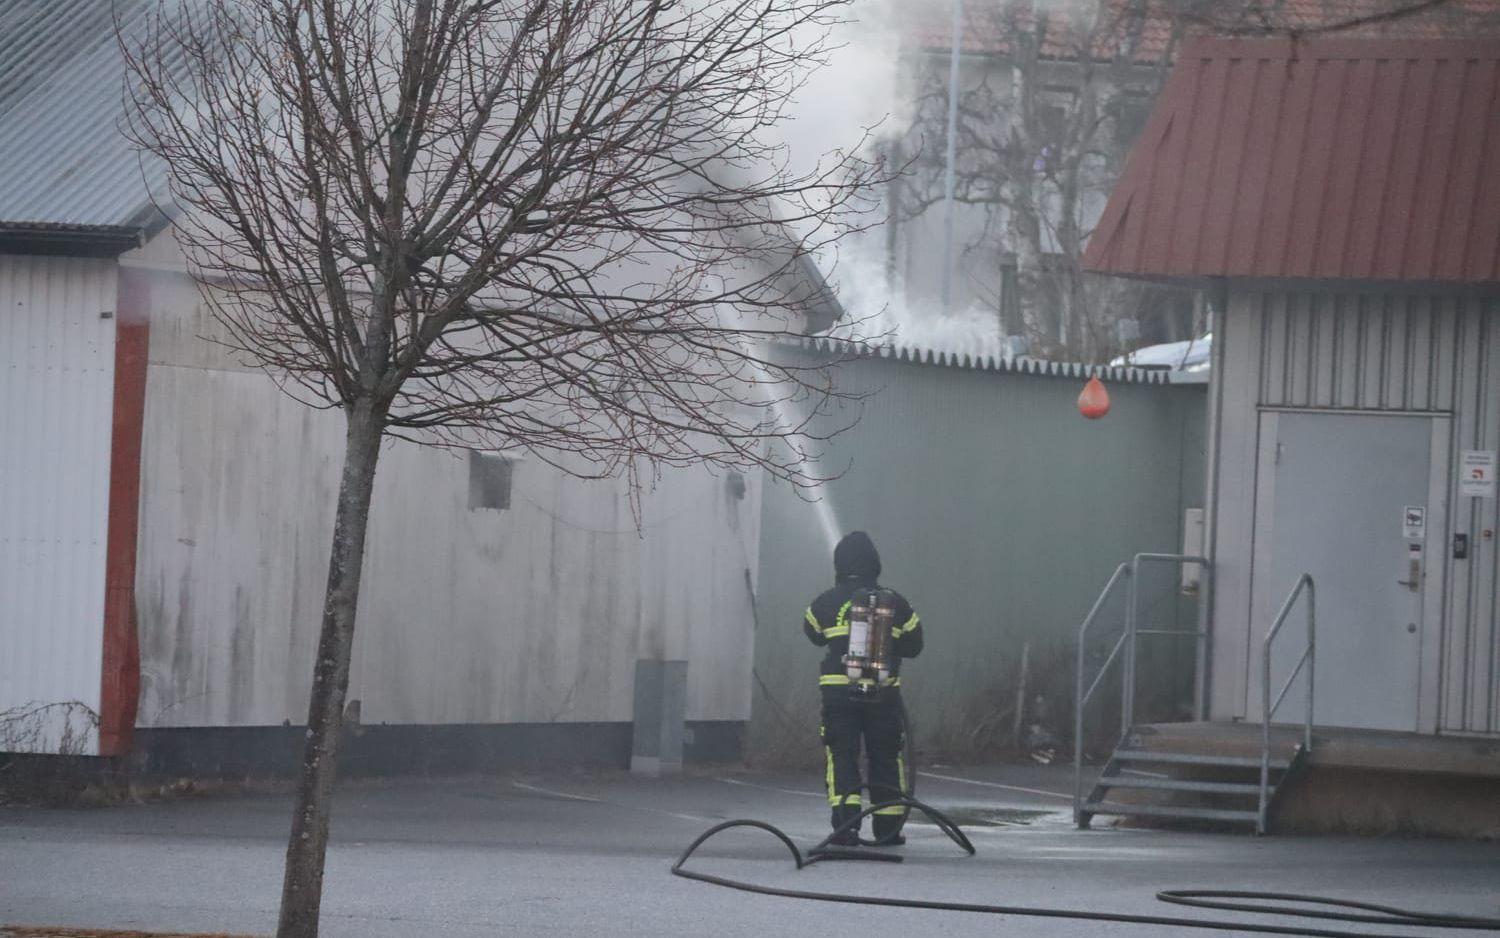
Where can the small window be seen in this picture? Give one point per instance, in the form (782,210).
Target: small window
(1054,109)
(489,481)
(1131,110)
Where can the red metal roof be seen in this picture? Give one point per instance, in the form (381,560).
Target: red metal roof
(1349,159)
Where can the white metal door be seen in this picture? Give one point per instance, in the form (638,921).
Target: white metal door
(1349,499)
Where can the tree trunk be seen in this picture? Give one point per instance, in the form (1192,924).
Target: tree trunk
(1072,339)
(1025,218)
(893,222)
(1026,236)
(302,887)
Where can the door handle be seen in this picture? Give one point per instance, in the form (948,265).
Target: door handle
(1414,573)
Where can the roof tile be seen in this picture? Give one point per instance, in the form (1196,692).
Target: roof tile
(986,30)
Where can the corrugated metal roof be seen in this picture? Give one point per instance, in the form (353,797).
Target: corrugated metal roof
(63,159)
(1349,159)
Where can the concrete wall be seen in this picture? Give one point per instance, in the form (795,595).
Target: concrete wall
(1000,513)
(1370,350)
(532,614)
(57,359)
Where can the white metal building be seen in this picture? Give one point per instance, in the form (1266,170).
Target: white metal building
(165,513)
(1341,201)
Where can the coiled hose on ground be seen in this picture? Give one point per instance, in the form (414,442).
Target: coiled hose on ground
(1269,903)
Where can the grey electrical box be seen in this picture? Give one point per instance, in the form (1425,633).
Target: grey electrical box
(1192,546)
(660,717)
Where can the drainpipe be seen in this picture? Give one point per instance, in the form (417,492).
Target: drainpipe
(1218,314)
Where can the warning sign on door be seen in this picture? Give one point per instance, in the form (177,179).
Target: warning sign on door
(1476,473)
(1414,522)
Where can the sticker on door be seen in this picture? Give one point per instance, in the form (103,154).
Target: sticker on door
(1476,474)
(1414,522)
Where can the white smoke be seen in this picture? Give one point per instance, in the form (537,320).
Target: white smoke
(862,89)
(877,307)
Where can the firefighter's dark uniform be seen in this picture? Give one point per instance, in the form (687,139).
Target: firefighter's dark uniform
(848,714)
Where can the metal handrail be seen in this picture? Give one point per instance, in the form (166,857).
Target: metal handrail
(1132,615)
(1127,644)
(1268,707)
(1082,696)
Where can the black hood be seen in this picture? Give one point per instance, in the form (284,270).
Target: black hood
(855,557)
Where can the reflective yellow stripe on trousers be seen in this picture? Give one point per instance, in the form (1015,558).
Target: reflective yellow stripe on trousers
(833,796)
(901,782)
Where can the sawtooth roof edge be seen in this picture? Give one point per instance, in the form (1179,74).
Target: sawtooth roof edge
(918,355)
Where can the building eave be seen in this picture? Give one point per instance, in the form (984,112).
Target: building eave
(46,238)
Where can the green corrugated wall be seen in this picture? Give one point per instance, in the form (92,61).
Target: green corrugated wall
(1000,513)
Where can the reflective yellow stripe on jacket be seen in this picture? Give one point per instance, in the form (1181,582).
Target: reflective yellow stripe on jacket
(910,625)
(842,680)
(840,626)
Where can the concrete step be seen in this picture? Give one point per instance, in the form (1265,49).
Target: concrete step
(1333,747)
(1185,758)
(1180,784)
(1170,811)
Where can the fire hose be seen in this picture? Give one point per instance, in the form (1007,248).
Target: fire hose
(1267,903)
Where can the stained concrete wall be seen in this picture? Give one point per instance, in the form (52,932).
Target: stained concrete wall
(532,614)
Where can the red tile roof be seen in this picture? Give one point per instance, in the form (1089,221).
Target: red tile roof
(927,24)
(1347,159)
(987,27)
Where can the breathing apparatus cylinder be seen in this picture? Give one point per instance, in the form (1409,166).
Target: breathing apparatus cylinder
(872,615)
(882,620)
(859,635)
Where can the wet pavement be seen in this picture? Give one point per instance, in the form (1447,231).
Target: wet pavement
(561,854)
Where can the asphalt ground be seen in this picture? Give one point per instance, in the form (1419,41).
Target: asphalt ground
(573,854)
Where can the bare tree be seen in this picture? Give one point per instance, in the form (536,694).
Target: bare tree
(1045,123)
(1043,131)
(558,225)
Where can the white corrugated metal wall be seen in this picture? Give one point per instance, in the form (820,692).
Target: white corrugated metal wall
(57,356)
(1368,351)
(536,613)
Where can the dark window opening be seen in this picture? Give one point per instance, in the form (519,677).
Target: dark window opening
(1054,109)
(1010,300)
(489,481)
(1131,110)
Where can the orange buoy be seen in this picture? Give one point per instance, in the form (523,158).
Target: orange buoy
(1093,402)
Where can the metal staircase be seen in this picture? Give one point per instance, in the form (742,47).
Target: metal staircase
(1187,786)
(1202,785)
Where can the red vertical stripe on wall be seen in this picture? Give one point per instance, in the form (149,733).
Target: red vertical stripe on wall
(121,680)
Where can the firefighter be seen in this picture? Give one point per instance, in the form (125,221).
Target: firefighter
(855,708)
